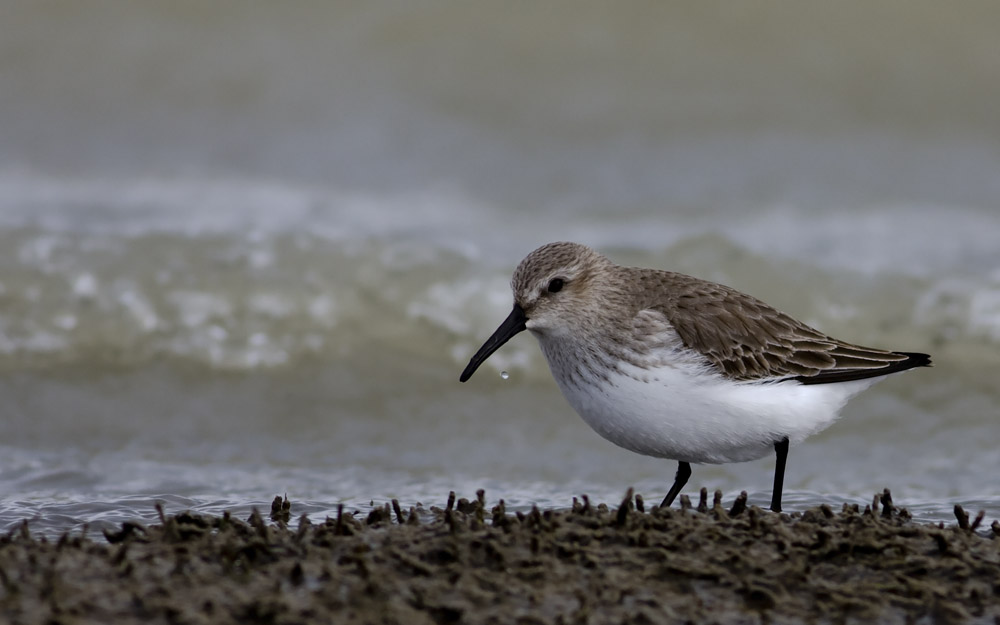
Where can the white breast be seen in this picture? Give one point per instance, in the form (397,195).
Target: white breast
(684,411)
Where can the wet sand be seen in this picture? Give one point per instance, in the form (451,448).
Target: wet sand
(469,563)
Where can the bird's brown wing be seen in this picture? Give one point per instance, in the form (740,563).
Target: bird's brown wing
(747,339)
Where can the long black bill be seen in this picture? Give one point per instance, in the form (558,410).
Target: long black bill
(513,324)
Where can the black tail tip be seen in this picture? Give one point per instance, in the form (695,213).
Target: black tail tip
(916,359)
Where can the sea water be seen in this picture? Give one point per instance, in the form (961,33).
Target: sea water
(246,251)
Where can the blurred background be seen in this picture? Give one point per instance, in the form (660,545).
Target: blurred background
(247,248)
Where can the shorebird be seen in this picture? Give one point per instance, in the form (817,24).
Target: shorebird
(672,366)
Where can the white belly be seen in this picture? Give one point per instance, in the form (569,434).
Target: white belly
(683,414)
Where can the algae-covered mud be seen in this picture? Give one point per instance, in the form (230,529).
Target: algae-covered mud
(473,563)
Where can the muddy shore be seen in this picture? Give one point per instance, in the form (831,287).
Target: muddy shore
(470,563)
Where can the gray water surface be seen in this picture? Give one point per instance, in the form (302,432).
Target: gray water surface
(246,250)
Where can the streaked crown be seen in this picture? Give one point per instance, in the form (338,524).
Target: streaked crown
(556,284)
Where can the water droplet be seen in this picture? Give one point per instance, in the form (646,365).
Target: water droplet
(504,375)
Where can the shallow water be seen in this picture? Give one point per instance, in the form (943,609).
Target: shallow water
(246,252)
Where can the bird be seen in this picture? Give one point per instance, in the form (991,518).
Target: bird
(672,366)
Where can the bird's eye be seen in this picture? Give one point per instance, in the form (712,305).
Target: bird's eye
(556,285)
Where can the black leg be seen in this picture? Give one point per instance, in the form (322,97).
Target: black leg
(780,448)
(683,473)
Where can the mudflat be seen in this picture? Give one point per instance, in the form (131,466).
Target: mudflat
(469,563)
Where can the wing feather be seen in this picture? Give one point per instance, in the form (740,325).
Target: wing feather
(747,339)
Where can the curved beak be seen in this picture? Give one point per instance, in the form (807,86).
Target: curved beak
(513,324)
